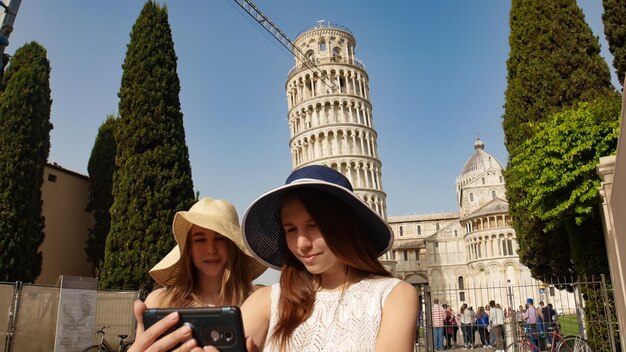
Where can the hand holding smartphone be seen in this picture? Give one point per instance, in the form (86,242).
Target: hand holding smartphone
(221,327)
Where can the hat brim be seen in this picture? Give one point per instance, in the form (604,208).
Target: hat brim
(263,232)
(165,271)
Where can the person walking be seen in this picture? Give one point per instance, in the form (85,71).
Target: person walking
(496,321)
(466,316)
(482,323)
(439,316)
(531,321)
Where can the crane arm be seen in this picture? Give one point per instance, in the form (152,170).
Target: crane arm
(271,28)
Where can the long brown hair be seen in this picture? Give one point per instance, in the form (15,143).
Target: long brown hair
(236,285)
(343,235)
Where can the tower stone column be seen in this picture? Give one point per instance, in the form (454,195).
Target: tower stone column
(334,119)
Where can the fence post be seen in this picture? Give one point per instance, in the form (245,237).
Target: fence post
(8,347)
(512,326)
(580,310)
(428,323)
(607,312)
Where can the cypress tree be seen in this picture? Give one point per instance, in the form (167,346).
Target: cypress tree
(24,147)
(101,166)
(152,179)
(614,19)
(554,63)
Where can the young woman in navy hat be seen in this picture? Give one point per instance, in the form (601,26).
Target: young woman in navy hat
(333,294)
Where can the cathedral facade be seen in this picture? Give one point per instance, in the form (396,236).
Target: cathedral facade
(469,256)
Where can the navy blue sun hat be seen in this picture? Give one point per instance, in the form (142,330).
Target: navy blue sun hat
(263,231)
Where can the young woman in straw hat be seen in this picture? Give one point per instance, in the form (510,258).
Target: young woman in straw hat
(209,266)
(334,294)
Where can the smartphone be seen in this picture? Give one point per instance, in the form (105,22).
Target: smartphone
(221,327)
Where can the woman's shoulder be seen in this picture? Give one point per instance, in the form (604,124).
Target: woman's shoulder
(385,285)
(402,291)
(259,301)
(260,293)
(155,298)
(381,281)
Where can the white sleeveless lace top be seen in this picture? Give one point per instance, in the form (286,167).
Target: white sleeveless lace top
(338,324)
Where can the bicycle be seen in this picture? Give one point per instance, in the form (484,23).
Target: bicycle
(105,346)
(556,342)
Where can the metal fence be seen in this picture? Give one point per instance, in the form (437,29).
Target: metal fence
(585,308)
(29,316)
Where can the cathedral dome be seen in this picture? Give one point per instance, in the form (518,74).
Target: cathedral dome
(479,162)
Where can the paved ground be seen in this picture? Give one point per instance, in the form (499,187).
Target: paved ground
(421,348)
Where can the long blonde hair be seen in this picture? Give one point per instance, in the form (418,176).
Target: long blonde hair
(235,286)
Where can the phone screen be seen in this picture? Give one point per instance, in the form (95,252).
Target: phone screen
(221,327)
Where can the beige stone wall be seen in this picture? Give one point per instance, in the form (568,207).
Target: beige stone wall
(64,195)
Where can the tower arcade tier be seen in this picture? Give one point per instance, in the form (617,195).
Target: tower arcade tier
(330,115)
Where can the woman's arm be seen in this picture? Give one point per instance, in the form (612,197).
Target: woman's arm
(256,312)
(397,328)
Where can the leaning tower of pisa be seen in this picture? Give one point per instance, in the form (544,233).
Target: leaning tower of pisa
(330,115)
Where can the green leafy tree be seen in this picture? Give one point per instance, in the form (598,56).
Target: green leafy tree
(152,179)
(614,19)
(101,166)
(556,171)
(554,63)
(24,147)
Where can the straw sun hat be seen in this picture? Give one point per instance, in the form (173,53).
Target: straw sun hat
(262,227)
(213,214)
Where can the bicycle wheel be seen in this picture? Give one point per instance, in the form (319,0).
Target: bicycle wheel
(573,344)
(519,346)
(93,348)
(125,346)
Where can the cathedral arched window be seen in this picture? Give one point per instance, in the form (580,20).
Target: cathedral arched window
(461,284)
(419,230)
(322,45)
(471,197)
(493,194)
(500,179)
(437,227)
(401,231)
(483,180)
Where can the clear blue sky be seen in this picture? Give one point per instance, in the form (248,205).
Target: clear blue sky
(437,79)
